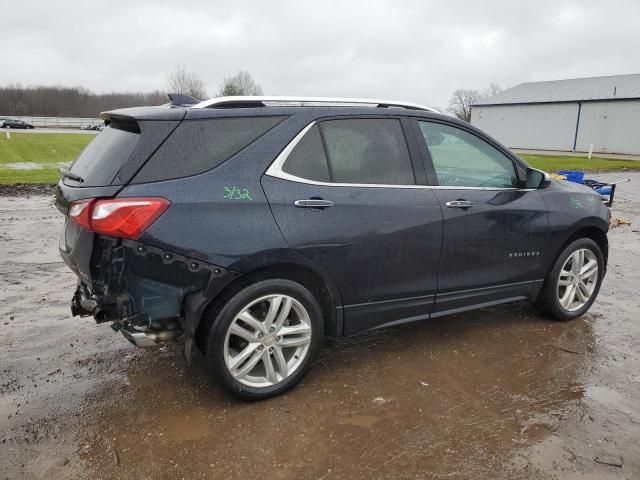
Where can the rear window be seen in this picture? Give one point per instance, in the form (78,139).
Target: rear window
(197,146)
(100,161)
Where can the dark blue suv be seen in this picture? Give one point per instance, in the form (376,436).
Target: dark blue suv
(251,227)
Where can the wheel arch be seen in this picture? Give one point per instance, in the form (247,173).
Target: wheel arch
(595,229)
(319,284)
(542,297)
(597,235)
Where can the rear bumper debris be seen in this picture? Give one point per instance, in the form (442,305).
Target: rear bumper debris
(143,289)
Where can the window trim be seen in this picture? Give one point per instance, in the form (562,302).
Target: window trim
(275,169)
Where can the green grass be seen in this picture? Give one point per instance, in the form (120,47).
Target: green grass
(553,163)
(50,149)
(45,149)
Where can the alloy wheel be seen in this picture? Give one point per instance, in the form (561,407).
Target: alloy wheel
(578,279)
(267,341)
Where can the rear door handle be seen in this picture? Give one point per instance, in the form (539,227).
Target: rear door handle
(313,203)
(460,204)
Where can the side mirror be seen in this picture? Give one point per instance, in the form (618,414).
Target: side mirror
(537,178)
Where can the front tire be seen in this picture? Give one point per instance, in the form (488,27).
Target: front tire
(264,339)
(573,283)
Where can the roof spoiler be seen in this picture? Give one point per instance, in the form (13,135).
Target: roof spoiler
(182,100)
(137,114)
(120,122)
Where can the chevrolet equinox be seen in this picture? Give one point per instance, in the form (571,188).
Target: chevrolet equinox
(252,227)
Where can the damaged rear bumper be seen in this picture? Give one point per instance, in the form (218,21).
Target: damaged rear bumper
(144,290)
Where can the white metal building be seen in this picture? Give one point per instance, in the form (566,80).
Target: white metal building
(566,115)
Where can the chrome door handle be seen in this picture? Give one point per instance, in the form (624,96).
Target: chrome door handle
(459,204)
(313,203)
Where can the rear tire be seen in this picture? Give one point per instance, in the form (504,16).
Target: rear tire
(264,339)
(573,283)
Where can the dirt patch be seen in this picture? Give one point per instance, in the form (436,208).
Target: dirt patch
(23,166)
(26,189)
(497,393)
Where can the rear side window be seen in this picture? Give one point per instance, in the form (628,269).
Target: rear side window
(370,151)
(307,160)
(197,146)
(358,151)
(101,160)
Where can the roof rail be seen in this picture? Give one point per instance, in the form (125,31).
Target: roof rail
(263,101)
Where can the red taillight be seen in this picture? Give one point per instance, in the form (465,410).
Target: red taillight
(80,212)
(118,217)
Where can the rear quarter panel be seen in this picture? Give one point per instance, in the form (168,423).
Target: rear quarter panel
(220,216)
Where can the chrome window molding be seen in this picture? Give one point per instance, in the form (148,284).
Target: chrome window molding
(275,170)
(308,101)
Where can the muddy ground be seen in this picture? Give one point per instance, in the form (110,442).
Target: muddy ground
(497,393)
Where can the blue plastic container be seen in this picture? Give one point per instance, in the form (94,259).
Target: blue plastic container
(572,175)
(604,190)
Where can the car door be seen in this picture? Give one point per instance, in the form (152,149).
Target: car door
(495,230)
(345,196)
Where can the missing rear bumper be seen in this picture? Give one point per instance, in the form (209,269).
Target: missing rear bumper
(146,292)
(148,337)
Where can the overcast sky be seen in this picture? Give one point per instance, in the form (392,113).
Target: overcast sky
(410,50)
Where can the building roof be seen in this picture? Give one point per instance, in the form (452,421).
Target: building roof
(615,87)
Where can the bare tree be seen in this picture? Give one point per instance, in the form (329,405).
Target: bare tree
(242,83)
(491,90)
(62,101)
(461,101)
(182,81)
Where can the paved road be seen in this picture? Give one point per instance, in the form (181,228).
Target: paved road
(48,130)
(500,393)
(577,154)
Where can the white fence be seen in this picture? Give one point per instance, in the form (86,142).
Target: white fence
(56,122)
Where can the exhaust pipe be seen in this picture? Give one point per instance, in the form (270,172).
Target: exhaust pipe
(149,338)
(99,315)
(81,303)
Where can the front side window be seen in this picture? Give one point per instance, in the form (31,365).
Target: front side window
(356,151)
(461,159)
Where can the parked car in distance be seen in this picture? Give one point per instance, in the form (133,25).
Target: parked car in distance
(94,126)
(13,123)
(252,227)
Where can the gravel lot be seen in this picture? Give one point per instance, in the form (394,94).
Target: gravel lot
(497,393)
